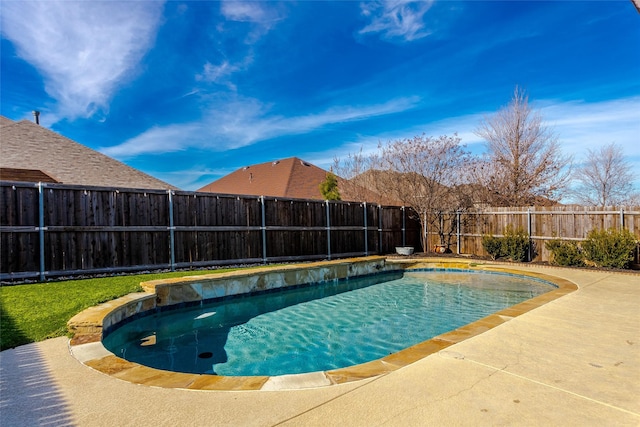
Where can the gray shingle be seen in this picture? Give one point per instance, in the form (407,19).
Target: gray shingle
(26,145)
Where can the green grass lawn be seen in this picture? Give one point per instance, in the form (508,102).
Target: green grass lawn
(34,312)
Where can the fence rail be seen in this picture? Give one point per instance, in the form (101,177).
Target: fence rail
(49,230)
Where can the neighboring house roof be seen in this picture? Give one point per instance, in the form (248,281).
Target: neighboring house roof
(28,175)
(5,121)
(27,146)
(291,178)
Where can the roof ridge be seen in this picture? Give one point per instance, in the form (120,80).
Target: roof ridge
(290,177)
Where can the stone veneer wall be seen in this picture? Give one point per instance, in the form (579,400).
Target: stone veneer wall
(204,288)
(192,289)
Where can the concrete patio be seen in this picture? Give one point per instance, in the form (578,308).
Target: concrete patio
(573,361)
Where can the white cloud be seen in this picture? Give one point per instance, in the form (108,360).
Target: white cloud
(345,114)
(581,125)
(244,11)
(84,50)
(244,122)
(220,74)
(217,72)
(396,18)
(462,125)
(194,177)
(165,139)
(261,15)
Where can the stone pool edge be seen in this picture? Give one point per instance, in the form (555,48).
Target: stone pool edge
(87,327)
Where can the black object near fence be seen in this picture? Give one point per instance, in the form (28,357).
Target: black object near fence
(50,230)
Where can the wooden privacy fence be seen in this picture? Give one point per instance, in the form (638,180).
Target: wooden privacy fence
(49,230)
(563,222)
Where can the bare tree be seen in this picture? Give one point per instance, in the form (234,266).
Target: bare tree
(523,161)
(424,173)
(355,183)
(605,178)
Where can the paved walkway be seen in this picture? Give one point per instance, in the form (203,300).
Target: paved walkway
(574,361)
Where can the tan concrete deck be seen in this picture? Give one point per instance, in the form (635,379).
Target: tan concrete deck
(573,361)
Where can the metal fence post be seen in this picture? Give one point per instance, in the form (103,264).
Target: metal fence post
(529,232)
(41,228)
(379,230)
(172,228)
(366,232)
(328,230)
(404,228)
(621,219)
(458,231)
(263,228)
(425,234)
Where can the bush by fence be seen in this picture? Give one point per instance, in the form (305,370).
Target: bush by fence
(610,248)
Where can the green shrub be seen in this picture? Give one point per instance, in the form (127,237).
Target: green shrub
(493,246)
(329,187)
(515,244)
(566,254)
(609,248)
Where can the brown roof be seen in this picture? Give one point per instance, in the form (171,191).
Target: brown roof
(28,146)
(292,178)
(26,175)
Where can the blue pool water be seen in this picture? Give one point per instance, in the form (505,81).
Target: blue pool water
(319,327)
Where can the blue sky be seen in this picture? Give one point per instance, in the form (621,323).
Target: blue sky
(191,91)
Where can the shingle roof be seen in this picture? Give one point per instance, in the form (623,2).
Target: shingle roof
(5,121)
(291,178)
(27,175)
(26,145)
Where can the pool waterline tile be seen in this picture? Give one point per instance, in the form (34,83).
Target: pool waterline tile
(88,325)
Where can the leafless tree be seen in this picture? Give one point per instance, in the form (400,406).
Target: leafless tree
(523,161)
(605,178)
(354,182)
(425,173)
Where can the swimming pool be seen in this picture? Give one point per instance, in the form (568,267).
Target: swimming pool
(324,326)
